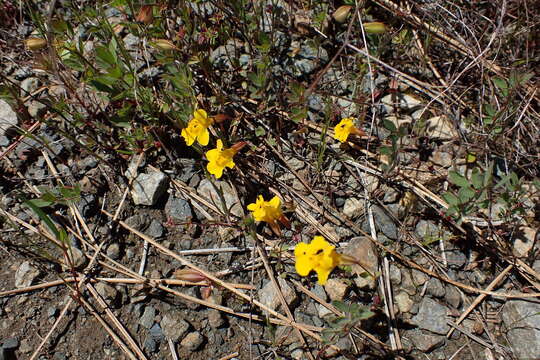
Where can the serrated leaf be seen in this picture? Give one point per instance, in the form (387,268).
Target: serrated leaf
(458,179)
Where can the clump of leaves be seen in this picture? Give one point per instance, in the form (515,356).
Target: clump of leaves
(340,326)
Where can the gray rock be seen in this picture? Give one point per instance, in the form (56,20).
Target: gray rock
(419,278)
(435,288)
(211,193)
(108,292)
(113,251)
(87,205)
(156,333)
(8,118)
(403,302)
(155,229)
(522,319)
(10,343)
(29,85)
(22,73)
(362,249)
(215,319)
(455,258)
(390,195)
(78,260)
(353,208)
(400,101)
(138,222)
(524,239)
(36,108)
(432,317)
(192,341)
(268,294)
(336,289)
(223,55)
(178,209)
(174,326)
(308,59)
(427,230)
(395,274)
(424,342)
(148,316)
(382,222)
(442,158)
(441,127)
(453,297)
(148,188)
(131,42)
(320,310)
(150,344)
(25,275)
(315,102)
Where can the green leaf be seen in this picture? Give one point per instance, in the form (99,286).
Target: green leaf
(44,217)
(101,86)
(477,179)
(451,199)
(341,306)
(458,179)
(105,55)
(500,83)
(465,194)
(40,203)
(259,131)
(389,125)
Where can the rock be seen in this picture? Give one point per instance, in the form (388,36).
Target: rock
(8,118)
(150,344)
(29,85)
(192,341)
(391,195)
(108,292)
(321,310)
(285,335)
(10,344)
(223,55)
(178,209)
(442,158)
(362,249)
(25,275)
(435,288)
(211,193)
(441,127)
(344,345)
(87,205)
(336,289)
(156,333)
(424,342)
(432,317)
(382,222)
(148,188)
(427,230)
(148,316)
(131,42)
(113,251)
(455,258)
(403,302)
(174,326)
(268,294)
(215,318)
(419,278)
(36,108)
(524,240)
(276,15)
(307,59)
(395,274)
(155,229)
(400,101)
(78,260)
(138,222)
(353,208)
(522,320)
(453,297)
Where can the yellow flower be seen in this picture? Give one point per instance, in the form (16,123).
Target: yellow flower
(318,255)
(345,128)
(267,211)
(220,158)
(197,128)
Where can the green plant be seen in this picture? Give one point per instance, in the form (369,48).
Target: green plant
(339,326)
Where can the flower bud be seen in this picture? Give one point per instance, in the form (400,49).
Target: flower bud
(238,146)
(341,14)
(375,27)
(164,44)
(189,275)
(146,14)
(35,43)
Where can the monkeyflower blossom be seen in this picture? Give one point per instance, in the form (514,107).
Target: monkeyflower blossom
(345,128)
(319,255)
(220,158)
(270,212)
(197,128)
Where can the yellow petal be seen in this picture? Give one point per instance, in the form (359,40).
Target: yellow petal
(303,267)
(275,202)
(204,138)
(189,139)
(214,169)
(219,145)
(200,114)
(252,207)
(322,275)
(213,155)
(319,243)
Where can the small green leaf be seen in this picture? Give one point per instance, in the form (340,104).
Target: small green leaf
(105,55)
(389,125)
(458,179)
(259,131)
(451,199)
(477,179)
(465,194)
